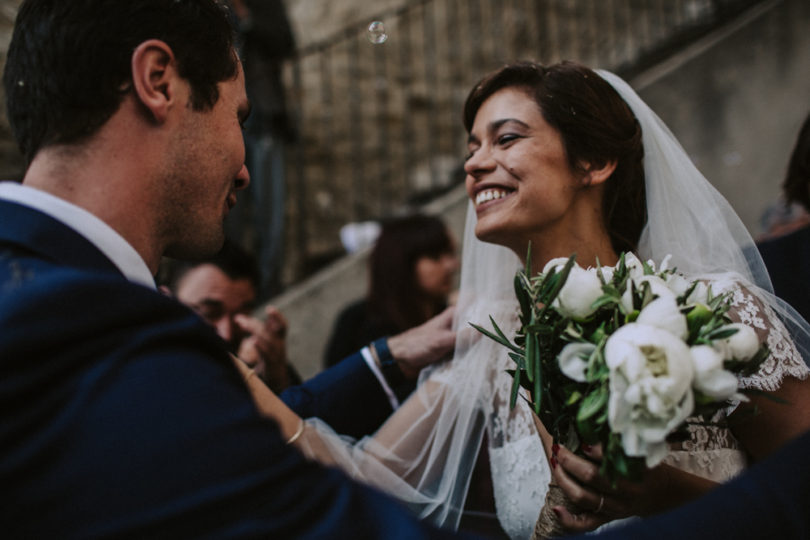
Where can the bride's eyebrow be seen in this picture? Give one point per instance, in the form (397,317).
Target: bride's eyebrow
(497,124)
(494,126)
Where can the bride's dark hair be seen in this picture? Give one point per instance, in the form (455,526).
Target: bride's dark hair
(596,127)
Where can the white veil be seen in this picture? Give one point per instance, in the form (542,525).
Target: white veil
(689,219)
(424,454)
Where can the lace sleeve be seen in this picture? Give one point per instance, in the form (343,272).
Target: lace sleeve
(784,359)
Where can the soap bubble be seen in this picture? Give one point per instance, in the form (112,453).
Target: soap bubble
(376,33)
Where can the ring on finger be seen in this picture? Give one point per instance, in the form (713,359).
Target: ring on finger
(601,504)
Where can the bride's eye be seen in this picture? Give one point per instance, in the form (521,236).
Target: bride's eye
(507,138)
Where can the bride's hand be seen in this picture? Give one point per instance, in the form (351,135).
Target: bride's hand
(660,488)
(601,502)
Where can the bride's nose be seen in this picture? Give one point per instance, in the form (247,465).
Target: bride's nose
(479,162)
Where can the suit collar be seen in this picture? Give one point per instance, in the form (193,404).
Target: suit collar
(49,238)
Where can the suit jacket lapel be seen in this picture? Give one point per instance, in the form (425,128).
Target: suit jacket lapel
(49,238)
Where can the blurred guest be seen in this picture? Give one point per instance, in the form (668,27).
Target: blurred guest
(786,249)
(412,271)
(223,290)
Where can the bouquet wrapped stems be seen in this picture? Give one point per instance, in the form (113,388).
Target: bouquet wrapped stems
(548,524)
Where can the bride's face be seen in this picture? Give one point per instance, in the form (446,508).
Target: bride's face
(518,175)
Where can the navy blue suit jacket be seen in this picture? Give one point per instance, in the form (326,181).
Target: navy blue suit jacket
(788,261)
(123,416)
(770,500)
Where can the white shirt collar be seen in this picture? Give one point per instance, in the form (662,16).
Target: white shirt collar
(101,235)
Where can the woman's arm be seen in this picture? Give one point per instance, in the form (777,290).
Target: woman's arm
(765,424)
(268,404)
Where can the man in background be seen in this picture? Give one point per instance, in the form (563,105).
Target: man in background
(223,290)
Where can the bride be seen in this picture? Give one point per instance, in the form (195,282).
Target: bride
(572,161)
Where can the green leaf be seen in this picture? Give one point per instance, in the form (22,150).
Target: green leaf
(563,277)
(722,333)
(537,395)
(531,344)
(523,297)
(592,404)
(518,359)
(499,338)
(515,389)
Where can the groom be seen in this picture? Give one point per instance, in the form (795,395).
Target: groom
(120,411)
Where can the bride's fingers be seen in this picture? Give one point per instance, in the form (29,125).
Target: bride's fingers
(578,493)
(586,472)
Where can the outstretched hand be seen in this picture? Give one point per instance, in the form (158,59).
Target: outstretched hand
(424,344)
(264,349)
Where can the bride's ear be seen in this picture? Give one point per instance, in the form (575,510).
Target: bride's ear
(597,175)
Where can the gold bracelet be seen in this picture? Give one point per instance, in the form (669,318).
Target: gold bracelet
(373,350)
(297,433)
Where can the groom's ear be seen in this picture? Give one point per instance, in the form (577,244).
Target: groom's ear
(595,175)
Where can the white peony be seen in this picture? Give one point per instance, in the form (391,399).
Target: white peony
(658,287)
(679,284)
(651,375)
(634,266)
(710,377)
(581,290)
(607,273)
(573,360)
(663,313)
(556,263)
(740,346)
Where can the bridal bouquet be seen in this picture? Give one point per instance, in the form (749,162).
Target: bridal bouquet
(622,356)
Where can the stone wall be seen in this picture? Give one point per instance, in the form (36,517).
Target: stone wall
(11,162)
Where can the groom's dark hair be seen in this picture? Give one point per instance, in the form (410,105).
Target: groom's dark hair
(596,127)
(68,66)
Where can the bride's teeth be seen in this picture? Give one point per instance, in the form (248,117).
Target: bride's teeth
(489,195)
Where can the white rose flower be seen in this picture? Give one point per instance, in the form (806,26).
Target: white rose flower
(710,377)
(578,294)
(740,346)
(663,313)
(651,375)
(573,360)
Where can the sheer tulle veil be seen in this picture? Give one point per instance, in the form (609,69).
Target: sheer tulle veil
(425,453)
(689,219)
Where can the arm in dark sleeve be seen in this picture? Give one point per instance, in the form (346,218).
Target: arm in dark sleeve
(346,396)
(131,422)
(770,500)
